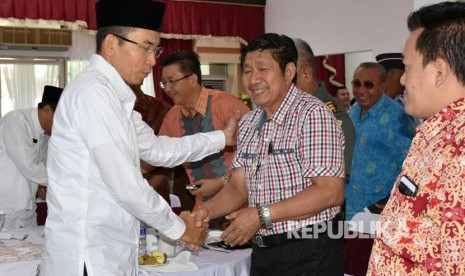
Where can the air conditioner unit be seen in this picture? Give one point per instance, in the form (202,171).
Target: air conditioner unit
(22,38)
(220,83)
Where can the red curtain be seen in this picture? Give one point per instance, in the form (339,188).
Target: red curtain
(67,10)
(186,18)
(169,46)
(338,63)
(181,17)
(247,22)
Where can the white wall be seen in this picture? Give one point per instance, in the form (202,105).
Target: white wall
(361,29)
(352,61)
(341,26)
(420,3)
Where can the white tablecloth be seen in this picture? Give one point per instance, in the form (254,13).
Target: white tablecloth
(235,263)
(20,258)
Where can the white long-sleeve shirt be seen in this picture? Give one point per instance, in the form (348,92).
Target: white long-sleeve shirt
(96,192)
(23,150)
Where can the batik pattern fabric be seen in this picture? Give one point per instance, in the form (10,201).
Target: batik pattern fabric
(152,110)
(425,234)
(213,110)
(383,137)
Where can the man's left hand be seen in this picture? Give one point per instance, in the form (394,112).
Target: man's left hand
(244,223)
(42,192)
(208,187)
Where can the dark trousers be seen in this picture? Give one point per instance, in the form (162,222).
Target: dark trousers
(321,256)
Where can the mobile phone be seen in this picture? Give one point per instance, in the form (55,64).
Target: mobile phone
(192,187)
(221,244)
(407,187)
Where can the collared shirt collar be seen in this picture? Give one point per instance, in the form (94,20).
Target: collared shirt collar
(374,109)
(200,106)
(433,125)
(320,90)
(38,131)
(123,91)
(280,115)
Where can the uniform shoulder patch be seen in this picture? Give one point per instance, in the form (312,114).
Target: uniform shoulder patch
(332,106)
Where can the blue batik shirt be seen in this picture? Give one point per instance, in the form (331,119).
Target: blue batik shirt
(382,141)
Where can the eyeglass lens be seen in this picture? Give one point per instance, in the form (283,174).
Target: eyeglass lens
(367,84)
(156,51)
(165,84)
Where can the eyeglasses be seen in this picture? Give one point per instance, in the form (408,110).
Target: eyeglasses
(367,84)
(170,83)
(149,49)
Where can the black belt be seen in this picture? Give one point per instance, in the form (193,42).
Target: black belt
(288,237)
(275,240)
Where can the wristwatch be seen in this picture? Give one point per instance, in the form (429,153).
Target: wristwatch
(266,216)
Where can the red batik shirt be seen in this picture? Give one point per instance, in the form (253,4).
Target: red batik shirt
(152,110)
(425,234)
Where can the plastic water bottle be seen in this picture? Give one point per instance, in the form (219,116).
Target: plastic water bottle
(143,240)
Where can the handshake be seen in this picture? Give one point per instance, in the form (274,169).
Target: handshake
(243,224)
(195,234)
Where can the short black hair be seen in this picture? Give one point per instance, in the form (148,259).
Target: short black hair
(443,34)
(44,104)
(282,49)
(116,30)
(189,63)
(339,88)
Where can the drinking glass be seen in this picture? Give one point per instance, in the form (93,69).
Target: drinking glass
(2,219)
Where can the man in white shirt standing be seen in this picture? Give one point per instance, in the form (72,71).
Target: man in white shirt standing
(96,193)
(23,150)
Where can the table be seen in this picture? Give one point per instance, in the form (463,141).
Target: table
(22,258)
(235,263)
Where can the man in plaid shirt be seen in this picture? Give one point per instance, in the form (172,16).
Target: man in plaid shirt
(289,167)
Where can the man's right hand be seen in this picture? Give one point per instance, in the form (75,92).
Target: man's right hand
(201,215)
(194,235)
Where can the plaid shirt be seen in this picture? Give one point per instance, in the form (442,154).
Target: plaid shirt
(280,155)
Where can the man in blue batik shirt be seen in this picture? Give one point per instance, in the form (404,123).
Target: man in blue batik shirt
(383,135)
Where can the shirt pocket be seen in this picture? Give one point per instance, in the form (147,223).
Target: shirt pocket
(284,166)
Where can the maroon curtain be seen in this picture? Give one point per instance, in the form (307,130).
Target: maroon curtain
(67,10)
(181,17)
(169,46)
(338,63)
